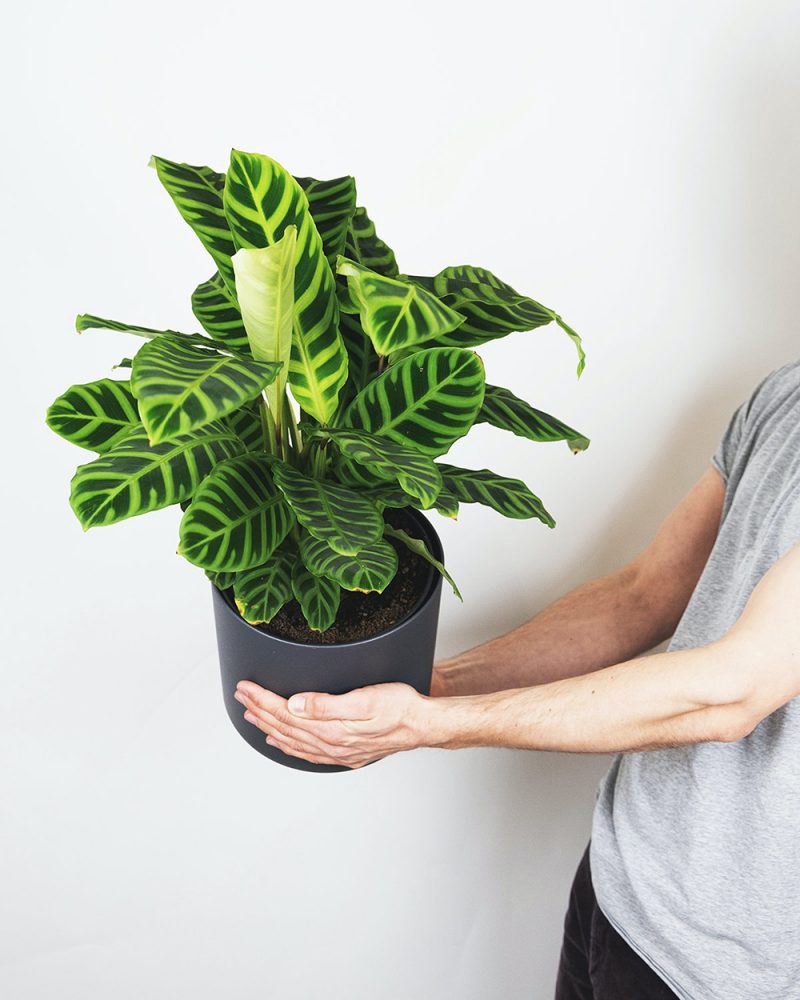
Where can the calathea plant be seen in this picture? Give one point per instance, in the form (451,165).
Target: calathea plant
(324,389)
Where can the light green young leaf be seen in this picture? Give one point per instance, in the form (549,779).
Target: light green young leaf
(265,289)
(261,199)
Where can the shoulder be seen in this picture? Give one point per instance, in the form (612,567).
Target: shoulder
(775,385)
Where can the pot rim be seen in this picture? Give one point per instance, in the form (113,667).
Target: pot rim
(436,582)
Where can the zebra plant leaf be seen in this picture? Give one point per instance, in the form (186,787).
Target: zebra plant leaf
(261,592)
(342,518)
(237,518)
(265,288)
(246,425)
(217,311)
(396,314)
(197,194)
(425,402)
(331,204)
(364,245)
(510,497)
(96,415)
(501,408)
(419,547)
(261,199)
(180,387)
(317,596)
(362,357)
(492,308)
(416,474)
(135,477)
(372,569)
(222,581)
(88,322)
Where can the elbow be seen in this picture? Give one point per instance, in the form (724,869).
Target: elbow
(738,722)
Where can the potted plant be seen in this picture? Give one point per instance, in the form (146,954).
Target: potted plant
(300,432)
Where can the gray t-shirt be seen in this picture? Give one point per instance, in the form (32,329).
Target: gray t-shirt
(695,850)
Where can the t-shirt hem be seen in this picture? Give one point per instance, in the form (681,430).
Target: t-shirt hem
(676,988)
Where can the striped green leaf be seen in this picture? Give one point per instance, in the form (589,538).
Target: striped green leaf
(135,477)
(396,314)
(501,408)
(492,308)
(362,357)
(261,199)
(510,497)
(95,415)
(341,518)
(426,401)
(217,310)
(419,547)
(237,518)
(265,289)
(317,596)
(88,322)
(222,581)
(261,592)
(197,194)
(331,204)
(364,245)
(181,387)
(246,425)
(447,505)
(386,496)
(372,569)
(418,475)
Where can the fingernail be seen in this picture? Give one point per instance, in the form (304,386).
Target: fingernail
(249,717)
(239,697)
(297,703)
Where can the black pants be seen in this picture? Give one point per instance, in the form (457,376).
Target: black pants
(596,963)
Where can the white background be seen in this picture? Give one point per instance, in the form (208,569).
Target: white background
(636,167)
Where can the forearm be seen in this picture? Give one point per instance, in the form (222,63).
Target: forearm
(668,699)
(602,622)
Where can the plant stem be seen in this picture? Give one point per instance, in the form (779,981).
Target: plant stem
(290,422)
(267,427)
(381,363)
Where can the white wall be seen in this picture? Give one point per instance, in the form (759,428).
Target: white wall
(634,165)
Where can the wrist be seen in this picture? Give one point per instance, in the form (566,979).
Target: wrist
(451,723)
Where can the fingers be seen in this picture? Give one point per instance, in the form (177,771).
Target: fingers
(278,724)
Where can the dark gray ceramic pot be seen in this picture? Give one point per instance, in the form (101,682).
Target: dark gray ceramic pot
(403,653)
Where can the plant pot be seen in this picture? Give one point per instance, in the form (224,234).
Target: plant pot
(404,652)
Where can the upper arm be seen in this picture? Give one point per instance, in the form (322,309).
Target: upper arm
(764,641)
(668,569)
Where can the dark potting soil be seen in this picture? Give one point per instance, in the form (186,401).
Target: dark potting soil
(362,616)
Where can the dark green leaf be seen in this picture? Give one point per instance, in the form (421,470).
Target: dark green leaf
(426,401)
(510,497)
(373,569)
(135,477)
(317,596)
(501,408)
(343,519)
(95,415)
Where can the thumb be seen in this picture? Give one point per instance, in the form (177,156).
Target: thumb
(315,705)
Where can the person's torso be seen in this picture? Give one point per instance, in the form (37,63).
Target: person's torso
(696,849)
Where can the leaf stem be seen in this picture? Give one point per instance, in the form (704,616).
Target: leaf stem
(267,427)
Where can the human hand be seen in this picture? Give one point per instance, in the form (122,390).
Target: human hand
(351,729)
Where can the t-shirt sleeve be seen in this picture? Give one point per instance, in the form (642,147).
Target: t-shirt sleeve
(728,445)
(740,423)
